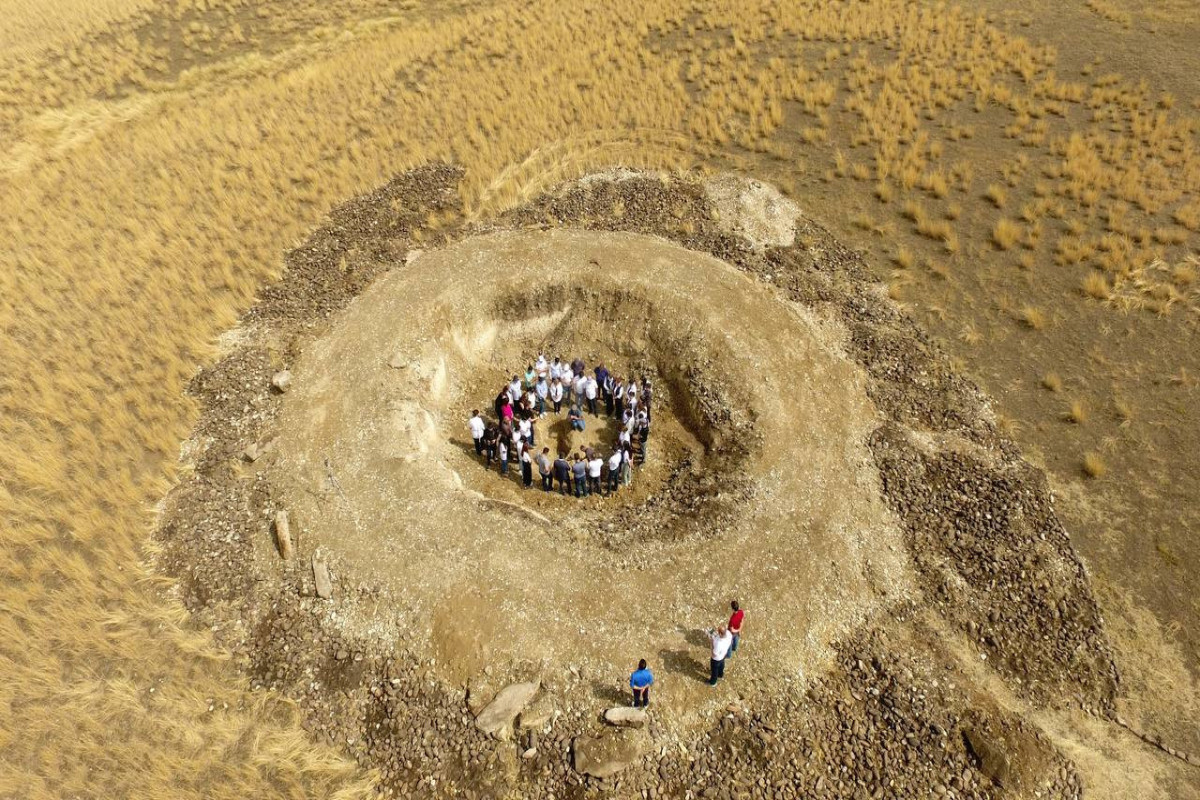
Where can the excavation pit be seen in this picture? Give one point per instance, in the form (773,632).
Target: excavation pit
(759,484)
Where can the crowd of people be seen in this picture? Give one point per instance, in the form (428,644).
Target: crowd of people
(547,388)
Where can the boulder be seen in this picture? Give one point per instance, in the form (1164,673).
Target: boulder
(993,760)
(282,380)
(626,717)
(537,715)
(609,751)
(283,535)
(322,579)
(498,716)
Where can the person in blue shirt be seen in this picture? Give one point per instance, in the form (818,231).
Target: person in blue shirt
(641,681)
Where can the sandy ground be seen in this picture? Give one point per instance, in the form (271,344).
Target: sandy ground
(482,583)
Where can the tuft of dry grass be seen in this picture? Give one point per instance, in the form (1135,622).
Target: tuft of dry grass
(1095,285)
(904,258)
(1032,317)
(1006,233)
(1052,382)
(997,194)
(1093,465)
(1076,413)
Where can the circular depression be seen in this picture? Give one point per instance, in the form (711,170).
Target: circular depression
(761,475)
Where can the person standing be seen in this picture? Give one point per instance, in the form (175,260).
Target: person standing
(491,435)
(647,395)
(618,394)
(562,473)
(606,390)
(544,469)
(577,386)
(556,394)
(542,390)
(640,682)
(722,639)
(500,400)
(602,376)
(591,391)
(525,426)
(614,472)
(556,369)
(579,473)
(503,449)
(595,466)
(568,382)
(526,466)
(735,625)
(626,465)
(475,423)
(514,390)
(642,426)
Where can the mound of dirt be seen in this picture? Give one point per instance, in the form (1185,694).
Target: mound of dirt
(814,456)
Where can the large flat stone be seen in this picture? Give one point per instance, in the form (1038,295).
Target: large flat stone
(626,717)
(609,751)
(498,716)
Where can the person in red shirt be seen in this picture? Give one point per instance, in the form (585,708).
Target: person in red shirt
(735,624)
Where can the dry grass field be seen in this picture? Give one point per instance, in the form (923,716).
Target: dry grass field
(1026,178)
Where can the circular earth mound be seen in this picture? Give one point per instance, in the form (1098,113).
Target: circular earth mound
(813,455)
(765,477)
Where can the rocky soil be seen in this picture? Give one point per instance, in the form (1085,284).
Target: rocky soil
(894,717)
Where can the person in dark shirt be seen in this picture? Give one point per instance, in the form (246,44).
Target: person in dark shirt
(501,400)
(562,473)
(579,475)
(491,435)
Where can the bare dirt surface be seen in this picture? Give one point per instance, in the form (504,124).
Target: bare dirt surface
(879,528)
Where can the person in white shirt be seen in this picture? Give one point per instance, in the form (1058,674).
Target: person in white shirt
(556,369)
(526,466)
(542,390)
(591,390)
(577,387)
(643,425)
(540,365)
(568,379)
(514,390)
(618,398)
(503,447)
(525,426)
(614,472)
(475,423)
(626,464)
(595,466)
(722,640)
(556,394)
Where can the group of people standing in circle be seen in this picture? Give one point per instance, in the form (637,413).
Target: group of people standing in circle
(547,387)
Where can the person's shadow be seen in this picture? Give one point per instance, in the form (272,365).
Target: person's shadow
(688,661)
(610,695)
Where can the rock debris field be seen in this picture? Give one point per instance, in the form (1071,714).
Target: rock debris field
(905,578)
